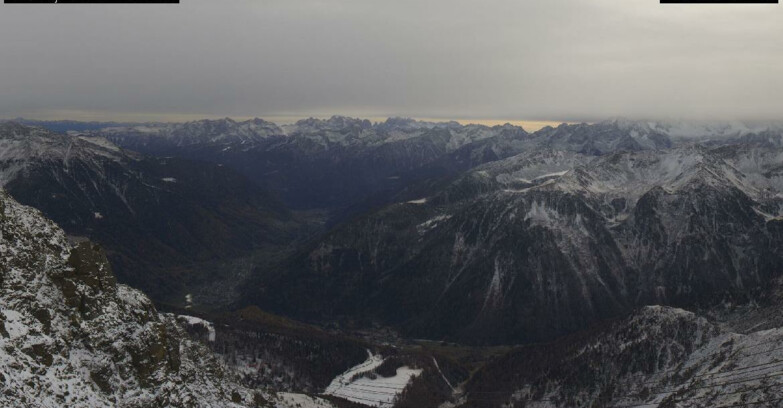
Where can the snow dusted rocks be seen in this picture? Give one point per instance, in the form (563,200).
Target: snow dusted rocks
(200,325)
(70,336)
(657,357)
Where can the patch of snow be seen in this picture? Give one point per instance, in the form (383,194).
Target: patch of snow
(169,179)
(380,392)
(540,214)
(434,361)
(419,201)
(132,297)
(101,142)
(494,291)
(293,400)
(767,217)
(14,324)
(431,223)
(555,174)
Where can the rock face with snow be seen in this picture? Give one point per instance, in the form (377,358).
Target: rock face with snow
(162,221)
(70,336)
(656,357)
(604,137)
(540,245)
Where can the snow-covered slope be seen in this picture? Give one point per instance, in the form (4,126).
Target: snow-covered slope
(658,357)
(70,336)
(22,146)
(603,137)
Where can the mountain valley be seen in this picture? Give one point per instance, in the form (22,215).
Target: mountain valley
(446,266)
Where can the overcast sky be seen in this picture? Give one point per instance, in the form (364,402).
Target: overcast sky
(480,59)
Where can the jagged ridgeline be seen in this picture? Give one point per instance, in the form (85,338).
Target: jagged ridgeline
(71,336)
(333,164)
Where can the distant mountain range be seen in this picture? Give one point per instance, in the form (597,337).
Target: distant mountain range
(316,164)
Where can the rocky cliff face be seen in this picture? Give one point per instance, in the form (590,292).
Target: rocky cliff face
(70,336)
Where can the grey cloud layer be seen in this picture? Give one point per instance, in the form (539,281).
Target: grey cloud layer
(534,59)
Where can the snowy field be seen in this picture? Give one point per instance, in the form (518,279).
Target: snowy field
(379,392)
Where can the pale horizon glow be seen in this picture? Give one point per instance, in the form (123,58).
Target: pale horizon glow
(528,125)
